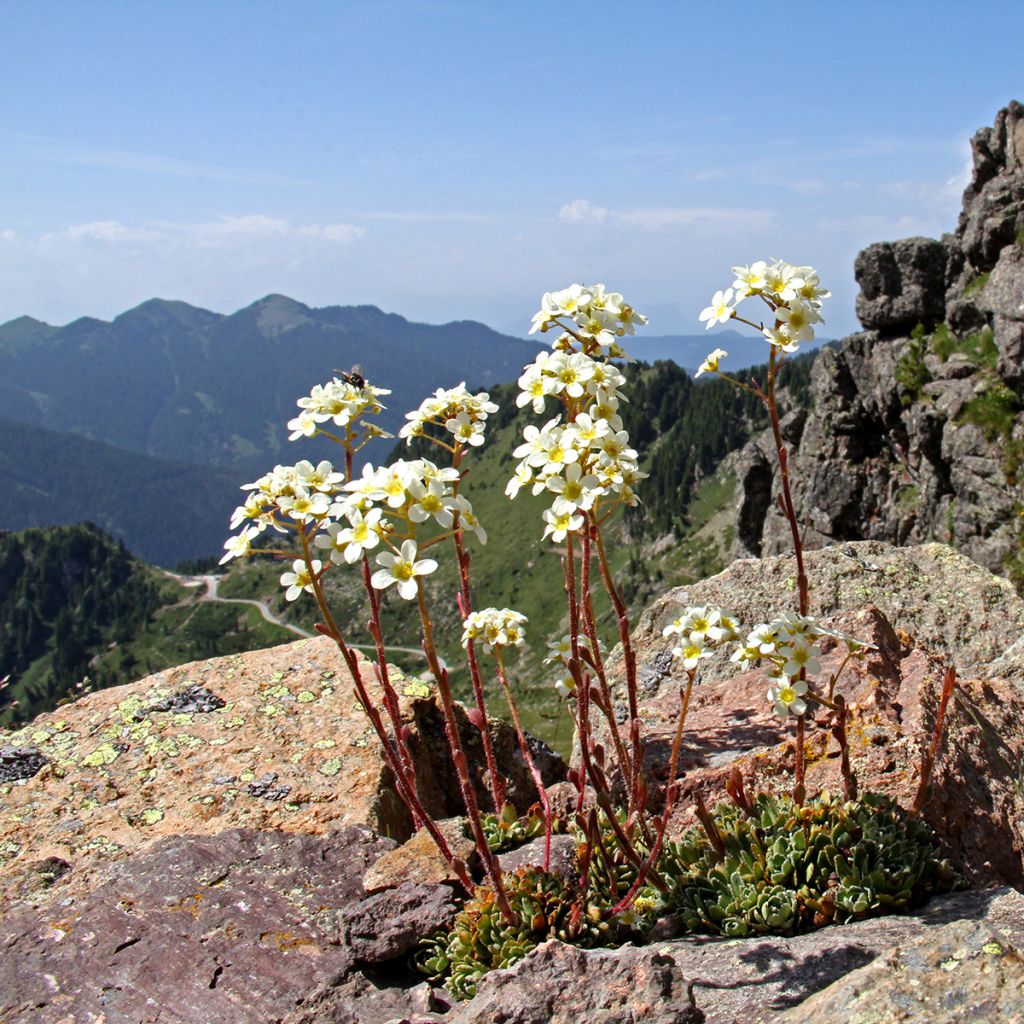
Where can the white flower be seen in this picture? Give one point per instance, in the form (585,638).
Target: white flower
(468,520)
(431,498)
(719,311)
(811,290)
(304,425)
(575,491)
(691,651)
(749,279)
(558,524)
(780,340)
(466,431)
(237,547)
(801,655)
(300,578)
(786,697)
(711,361)
(351,543)
(797,320)
(402,569)
(523,477)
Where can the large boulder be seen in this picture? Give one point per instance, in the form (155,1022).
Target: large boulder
(268,740)
(901,284)
(933,609)
(239,927)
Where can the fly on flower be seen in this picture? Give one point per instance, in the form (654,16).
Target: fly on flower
(354,376)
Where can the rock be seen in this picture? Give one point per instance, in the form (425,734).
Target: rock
(560,984)
(965,971)
(946,602)
(236,927)
(390,924)
(358,1000)
(902,284)
(977,806)
(746,981)
(264,787)
(194,699)
(105,782)
(17,763)
(419,860)
(562,862)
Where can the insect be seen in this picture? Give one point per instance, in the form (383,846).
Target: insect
(354,376)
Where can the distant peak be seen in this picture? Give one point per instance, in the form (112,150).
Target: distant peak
(168,309)
(281,302)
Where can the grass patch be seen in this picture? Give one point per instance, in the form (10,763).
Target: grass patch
(977,284)
(911,373)
(994,411)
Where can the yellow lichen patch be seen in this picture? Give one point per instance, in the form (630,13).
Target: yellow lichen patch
(40,736)
(272,710)
(324,744)
(331,767)
(305,696)
(285,940)
(234,723)
(151,815)
(103,755)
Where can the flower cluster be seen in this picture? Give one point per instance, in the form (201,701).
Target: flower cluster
(340,402)
(587,456)
(496,628)
(589,315)
(701,629)
(793,294)
(288,497)
(456,410)
(787,645)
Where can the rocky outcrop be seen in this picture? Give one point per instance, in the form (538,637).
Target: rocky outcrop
(902,284)
(267,740)
(915,431)
(932,598)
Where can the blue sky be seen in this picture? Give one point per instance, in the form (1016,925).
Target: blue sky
(453,160)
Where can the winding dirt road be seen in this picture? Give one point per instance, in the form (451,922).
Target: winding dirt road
(210,583)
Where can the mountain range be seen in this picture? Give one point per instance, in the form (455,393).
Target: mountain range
(171,380)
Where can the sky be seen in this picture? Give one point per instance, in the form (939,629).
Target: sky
(454,160)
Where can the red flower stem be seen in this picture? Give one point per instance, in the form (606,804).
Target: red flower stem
(459,758)
(629,657)
(928,761)
(590,627)
(538,780)
(383,675)
(661,826)
(466,606)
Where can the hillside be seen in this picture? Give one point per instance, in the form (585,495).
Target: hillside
(79,612)
(164,510)
(171,380)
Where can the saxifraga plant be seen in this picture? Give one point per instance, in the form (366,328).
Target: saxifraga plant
(776,867)
(768,865)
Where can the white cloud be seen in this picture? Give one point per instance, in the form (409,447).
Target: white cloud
(583,210)
(660,218)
